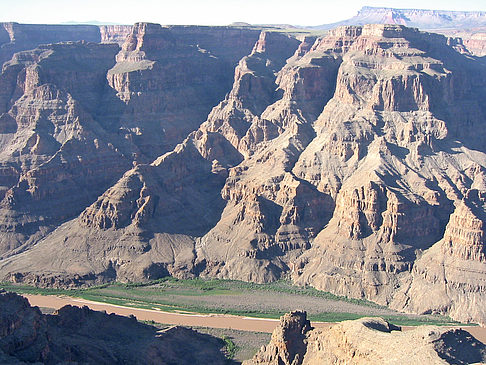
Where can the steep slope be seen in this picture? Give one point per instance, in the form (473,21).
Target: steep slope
(366,341)
(115,33)
(80,335)
(469,26)
(228,43)
(167,86)
(473,39)
(146,224)
(269,212)
(452,272)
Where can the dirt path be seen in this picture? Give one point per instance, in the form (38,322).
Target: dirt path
(197,320)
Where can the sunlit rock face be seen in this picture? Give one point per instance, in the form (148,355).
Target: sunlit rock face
(365,341)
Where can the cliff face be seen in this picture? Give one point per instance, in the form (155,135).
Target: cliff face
(468,28)
(16,37)
(81,335)
(457,262)
(354,162)
(168,88)
(51,144)
(75,116)
(381,135)
(366,341)
(115,33)
(474,40)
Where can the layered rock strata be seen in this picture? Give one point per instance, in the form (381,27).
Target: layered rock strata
(167,87)
(55,156)
(354,163)
(115,33)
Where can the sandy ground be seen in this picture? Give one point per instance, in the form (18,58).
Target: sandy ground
(192,320)
(268,301)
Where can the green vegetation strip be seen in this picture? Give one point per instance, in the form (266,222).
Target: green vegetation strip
(153,295)
(230,347)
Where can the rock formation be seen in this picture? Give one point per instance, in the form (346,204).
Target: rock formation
(80,335)
(353,162)
(420,18)
(366,341)
(51,144)
(472,39)
(15,37)
(115,33)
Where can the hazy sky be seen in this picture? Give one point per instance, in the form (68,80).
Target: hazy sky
(216,12)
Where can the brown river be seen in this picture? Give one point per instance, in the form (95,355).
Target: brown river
(184,319)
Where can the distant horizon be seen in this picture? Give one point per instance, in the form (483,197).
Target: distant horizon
(210,12)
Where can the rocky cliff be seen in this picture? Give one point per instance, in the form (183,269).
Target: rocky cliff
(15,37)
(82,336)
(366,341)
(469,26)
(353,162)
(115,33)
(473,39)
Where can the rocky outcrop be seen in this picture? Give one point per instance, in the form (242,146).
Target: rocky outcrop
(52,146)
(366,341)
(476,42)
(288,343)
(115,33)
(466,29)
(80,335)
(457,262)
(60,112)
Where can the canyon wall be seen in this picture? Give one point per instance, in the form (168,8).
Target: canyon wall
(353,162)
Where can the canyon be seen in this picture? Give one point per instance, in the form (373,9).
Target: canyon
(353,162)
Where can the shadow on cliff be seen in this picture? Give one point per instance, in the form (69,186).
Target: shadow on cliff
(81,335)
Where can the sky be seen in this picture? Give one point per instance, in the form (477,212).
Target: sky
(208,12)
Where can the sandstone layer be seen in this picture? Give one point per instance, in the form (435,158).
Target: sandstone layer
(366,341)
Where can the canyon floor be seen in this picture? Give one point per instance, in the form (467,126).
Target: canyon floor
(246,333)
(219,297)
